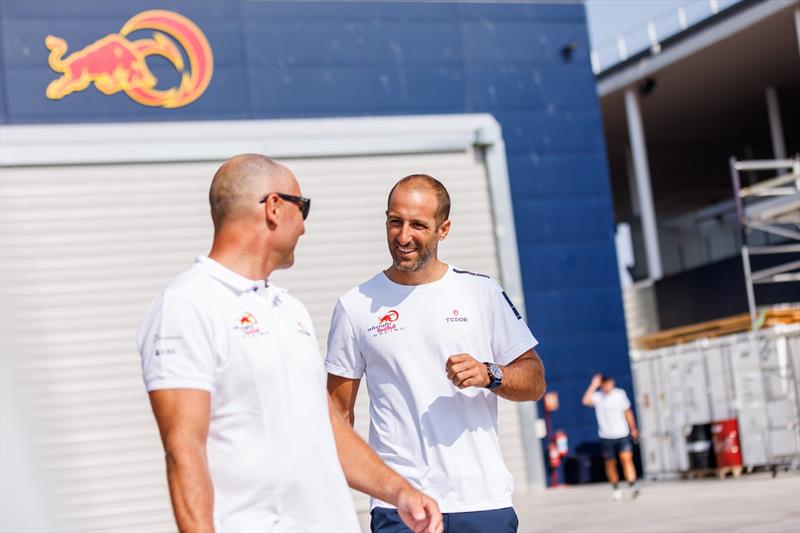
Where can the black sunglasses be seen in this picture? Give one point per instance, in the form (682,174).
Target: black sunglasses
(302,202)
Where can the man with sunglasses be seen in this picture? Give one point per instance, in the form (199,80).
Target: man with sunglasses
(237,386)
(437,346)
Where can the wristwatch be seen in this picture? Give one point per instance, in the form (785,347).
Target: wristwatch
(495,375)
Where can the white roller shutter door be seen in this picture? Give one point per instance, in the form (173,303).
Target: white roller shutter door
(83,249)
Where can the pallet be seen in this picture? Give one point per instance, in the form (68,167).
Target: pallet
(720,472)
(698,473)
(716,328)
(735,471)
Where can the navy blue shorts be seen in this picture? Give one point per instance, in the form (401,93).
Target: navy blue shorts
(610,447)
(493,521)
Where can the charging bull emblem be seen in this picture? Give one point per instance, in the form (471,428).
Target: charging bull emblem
(114,63)
(391,316)
(248,325)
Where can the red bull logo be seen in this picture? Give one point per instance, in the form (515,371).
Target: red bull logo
(248,324)
(116,64)
(391,316)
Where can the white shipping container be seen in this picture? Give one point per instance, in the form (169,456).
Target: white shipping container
(752,378)
(654,436)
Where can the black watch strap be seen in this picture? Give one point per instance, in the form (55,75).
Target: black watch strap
(494,381)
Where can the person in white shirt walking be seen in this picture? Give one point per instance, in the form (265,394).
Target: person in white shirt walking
(437,346)
(616,427)
(237,384)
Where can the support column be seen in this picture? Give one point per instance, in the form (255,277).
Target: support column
(641,169)
(775,124)
(634,193)
(797,27)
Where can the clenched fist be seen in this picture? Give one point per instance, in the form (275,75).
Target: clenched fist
(465,371)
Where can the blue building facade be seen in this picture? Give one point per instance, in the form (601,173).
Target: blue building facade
(525,63)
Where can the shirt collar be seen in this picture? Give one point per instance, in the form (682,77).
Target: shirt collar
(229,277)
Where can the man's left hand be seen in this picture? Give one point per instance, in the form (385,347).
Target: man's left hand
(465,371)
(419,512)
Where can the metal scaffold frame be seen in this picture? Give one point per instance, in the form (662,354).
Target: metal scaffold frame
(782,220)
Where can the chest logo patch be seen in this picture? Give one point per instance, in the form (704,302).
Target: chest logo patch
(456,317)
(248,325)
(387,323)
(389,317)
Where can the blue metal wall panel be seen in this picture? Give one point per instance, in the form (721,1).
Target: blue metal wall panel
(311,59)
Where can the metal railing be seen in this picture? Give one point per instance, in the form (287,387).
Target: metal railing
(653,32)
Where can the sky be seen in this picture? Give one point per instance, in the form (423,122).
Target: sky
(608,18)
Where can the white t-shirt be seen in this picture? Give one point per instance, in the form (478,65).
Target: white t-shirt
(271,452)
(442,439)
(610,412)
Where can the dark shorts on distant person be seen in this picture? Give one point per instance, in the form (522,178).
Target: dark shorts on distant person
(493,521)
(611,447)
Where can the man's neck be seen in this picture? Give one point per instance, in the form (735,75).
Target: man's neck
(433,271)
(243,265)
(236,255)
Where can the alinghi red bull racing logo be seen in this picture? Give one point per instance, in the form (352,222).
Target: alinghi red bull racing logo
(386,324)
(114,63)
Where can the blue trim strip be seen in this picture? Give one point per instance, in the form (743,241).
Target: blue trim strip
(511,305)
(457,271)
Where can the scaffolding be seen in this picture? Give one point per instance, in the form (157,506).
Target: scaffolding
(772,207)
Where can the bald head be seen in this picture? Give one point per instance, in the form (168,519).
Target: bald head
(241,182)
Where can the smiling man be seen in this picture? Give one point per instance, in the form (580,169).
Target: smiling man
(437,345)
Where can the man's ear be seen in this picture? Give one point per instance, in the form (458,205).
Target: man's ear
(444,229)
(272,208)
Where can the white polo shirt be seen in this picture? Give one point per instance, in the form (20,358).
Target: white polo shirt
(442,439)
(271,451)
(610,412)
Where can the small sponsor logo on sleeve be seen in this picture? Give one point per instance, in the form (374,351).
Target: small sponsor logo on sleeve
(162,344)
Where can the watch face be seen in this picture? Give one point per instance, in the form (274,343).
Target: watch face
(496,371)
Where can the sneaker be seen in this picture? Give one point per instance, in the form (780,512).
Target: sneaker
(634,492)
(616,495)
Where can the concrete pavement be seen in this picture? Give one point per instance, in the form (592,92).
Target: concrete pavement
(754,503)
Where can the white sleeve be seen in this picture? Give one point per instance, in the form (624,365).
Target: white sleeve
(175,346)
(626,403)
(344,358)
(510,335)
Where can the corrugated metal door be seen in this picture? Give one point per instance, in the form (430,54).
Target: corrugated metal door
(85,247)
